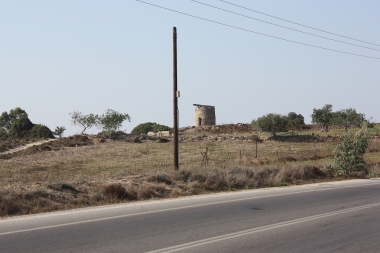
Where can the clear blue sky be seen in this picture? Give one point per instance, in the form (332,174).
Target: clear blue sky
(61,56)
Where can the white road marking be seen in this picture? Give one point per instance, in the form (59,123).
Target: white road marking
(257,230)
(172,209)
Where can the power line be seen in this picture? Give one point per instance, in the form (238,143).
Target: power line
(263,34)
(218,8)
(298,23)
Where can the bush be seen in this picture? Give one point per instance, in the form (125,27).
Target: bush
(350,151)
(59,131)
(161,178)
(114,191)
(271,123)
(149,127)
(113,135)
(295,120)
(40,131)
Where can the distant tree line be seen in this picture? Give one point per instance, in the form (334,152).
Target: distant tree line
(15,124)
(345,118)
(109,122)
(325,117)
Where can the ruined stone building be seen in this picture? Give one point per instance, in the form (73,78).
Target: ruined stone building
(204,115)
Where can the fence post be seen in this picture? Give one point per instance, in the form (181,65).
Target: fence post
(256,150)
(315,158)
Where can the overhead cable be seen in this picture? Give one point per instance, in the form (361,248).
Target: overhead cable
(298,23)
(243,29)
(215,7)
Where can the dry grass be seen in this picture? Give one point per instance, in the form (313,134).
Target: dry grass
(119,171)
(51,196)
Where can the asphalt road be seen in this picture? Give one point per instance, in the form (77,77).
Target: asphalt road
(330,217)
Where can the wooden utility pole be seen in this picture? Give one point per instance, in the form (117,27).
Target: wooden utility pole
(175,100)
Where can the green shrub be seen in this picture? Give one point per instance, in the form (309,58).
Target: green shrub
(271,123)
(350,151)
(59,131)
(149,127)
(113,135)
(40,131)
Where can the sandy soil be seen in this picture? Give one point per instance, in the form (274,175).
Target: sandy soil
(37,143)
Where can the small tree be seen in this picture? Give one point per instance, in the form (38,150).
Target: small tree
(85,121)
(295,120)
(59,131)
(348,118)
(112,120)
(271,122)
(350,151)
(323,117)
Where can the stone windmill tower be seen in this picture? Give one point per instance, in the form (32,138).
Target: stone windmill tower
(204,115)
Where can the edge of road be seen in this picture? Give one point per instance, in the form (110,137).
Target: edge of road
(106,212)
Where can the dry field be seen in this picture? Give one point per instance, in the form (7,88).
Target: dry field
(66,174)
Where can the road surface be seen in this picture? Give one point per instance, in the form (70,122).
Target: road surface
(328,217)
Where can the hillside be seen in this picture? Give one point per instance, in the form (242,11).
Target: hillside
(81,171)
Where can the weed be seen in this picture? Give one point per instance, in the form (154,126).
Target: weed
(277,184)
(114,191)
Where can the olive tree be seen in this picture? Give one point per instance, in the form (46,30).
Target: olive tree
(112,120)
(323,116)
(85,121)
(271,123)
(109,122)
(295,120)
(348,118)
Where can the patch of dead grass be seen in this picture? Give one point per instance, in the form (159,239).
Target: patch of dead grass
(117,171)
